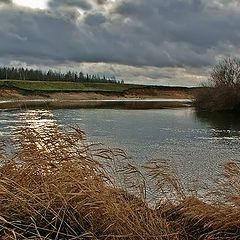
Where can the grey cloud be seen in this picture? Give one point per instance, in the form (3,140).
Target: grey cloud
(6,1)
(101,2)
(183,21)
(83,4)
(68,13)
(148,75)
(95,19)
(193,26)
(45,35)
(173,33)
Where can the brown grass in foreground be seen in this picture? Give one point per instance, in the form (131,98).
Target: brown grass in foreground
(54,186)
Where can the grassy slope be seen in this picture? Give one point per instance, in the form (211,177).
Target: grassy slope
(52,86)
(66,86)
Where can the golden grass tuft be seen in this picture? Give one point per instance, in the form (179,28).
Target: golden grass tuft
(55,186)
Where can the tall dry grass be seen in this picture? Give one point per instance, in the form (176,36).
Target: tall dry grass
(55,186)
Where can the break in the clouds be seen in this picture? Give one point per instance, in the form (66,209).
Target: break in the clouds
(159,42)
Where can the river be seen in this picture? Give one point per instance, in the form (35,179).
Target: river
(194,143)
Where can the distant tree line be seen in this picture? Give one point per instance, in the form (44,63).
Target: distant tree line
(50,75)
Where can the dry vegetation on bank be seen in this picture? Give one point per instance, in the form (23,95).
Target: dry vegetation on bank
(55,186)
(223,90)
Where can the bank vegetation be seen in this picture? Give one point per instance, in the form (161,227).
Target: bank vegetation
(54,185)
(222,92)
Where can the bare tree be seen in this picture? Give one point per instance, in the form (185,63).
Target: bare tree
(223,91)
(226,73)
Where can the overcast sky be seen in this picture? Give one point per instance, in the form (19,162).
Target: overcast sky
(164,42)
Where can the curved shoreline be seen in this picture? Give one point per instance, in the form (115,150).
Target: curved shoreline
(104,103)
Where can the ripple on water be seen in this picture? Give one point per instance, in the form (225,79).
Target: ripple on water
(194,145)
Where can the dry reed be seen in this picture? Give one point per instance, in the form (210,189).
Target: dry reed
(55,186)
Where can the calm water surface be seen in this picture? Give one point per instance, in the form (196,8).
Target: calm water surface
(195,143)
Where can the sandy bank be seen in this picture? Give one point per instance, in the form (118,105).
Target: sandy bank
(111,103)
(15,99)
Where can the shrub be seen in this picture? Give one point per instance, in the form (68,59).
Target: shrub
(223,90)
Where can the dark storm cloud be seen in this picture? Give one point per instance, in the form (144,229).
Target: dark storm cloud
(100,2)
(193,27)
(6,1)
(83,4)
(95,19)
(189,32)
(34,34)
(153,33)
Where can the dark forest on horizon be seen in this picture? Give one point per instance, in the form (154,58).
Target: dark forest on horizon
(15,73)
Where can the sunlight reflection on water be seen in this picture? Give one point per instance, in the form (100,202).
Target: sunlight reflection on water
(195,145)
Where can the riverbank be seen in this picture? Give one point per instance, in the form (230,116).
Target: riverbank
(58,187)
(129,97)
(110,103)
(80,90)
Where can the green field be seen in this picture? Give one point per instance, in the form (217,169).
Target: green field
(49,86)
